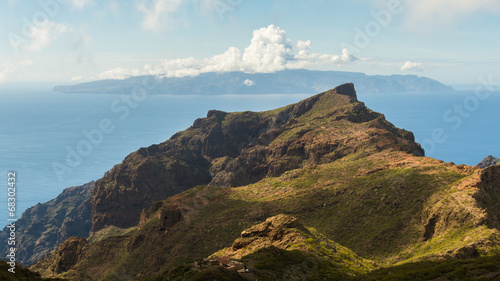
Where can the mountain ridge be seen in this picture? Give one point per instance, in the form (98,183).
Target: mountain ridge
(234,149)
(327,160)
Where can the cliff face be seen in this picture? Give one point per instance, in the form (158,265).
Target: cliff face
(43,227)
(234,149)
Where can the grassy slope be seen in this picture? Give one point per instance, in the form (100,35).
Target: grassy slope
(483,268)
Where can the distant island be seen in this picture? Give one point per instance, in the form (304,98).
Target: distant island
(300,81)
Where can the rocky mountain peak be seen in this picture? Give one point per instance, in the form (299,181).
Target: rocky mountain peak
(346,89)
(240,148)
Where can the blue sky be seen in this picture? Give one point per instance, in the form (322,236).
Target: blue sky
(69,41)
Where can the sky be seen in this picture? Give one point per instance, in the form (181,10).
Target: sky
(73,41)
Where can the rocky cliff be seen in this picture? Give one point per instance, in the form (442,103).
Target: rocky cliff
(43,227)
(235,149)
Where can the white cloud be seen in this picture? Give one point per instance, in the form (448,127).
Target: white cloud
(26,62)
(249,82)
(6,69)
(76,78)
(412,66)
(43,34)
(158,12)
(438,12)
(269,51)
(80,4)
(118,73)
(10,69)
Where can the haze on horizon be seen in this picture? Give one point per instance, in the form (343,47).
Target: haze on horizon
(70,41)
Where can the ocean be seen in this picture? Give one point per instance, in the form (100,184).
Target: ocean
(53,140)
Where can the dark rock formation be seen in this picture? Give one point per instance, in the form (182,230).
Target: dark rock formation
(234,149)
(43,227)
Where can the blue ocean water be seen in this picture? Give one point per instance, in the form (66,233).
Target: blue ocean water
(41,131)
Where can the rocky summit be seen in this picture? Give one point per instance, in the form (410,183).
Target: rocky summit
(324,189)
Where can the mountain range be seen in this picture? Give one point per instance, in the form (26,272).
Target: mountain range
(298,81)
(324,189)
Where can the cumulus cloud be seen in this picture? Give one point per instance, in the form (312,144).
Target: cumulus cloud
(43,34)
(438,12)
(269,51)
(157,12)
(412,66)
(249,82)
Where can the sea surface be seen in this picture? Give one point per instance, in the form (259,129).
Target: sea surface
(53,140)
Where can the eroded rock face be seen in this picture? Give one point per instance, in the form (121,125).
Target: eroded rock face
(67,255)
(234,149)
